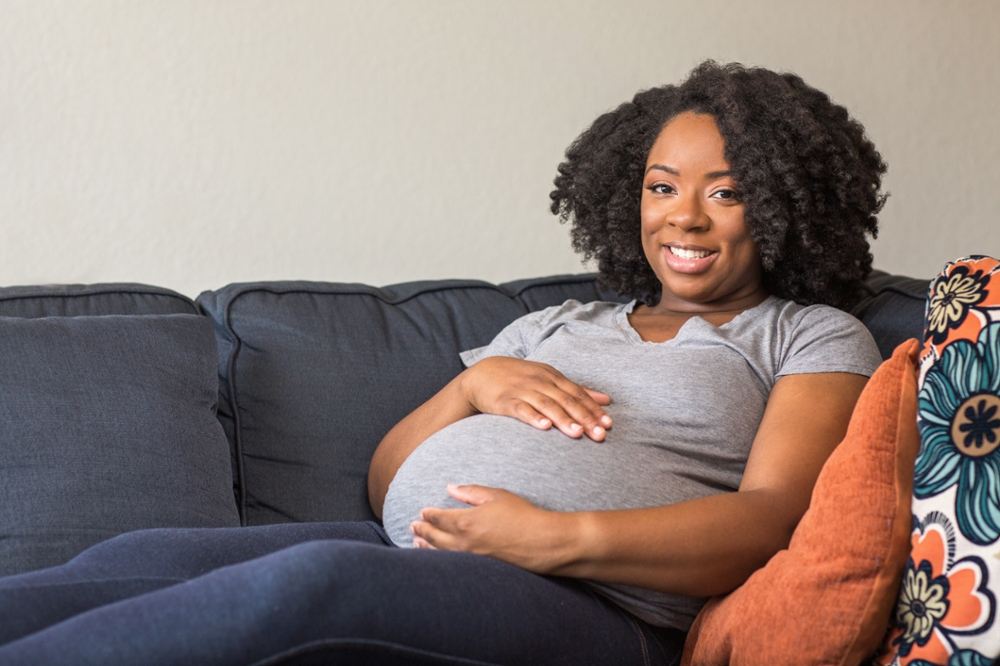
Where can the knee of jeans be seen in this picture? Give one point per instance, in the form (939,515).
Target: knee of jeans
(145,540)
(315,573)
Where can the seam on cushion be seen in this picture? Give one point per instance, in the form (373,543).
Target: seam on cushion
(100,290)
(314,646)
(189,304)
(241,502)
(551,281)
(357,291)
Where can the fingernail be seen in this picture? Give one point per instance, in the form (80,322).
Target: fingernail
(413,530)
(598,431)
(575,426)
(545,423)
(606,420)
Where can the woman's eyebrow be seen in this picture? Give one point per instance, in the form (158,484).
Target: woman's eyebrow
(660,167)
(711,175)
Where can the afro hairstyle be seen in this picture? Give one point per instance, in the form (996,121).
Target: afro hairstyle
(808,175)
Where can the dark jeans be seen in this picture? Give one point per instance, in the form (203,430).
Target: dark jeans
(310,593)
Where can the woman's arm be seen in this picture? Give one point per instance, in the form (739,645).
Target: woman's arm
(535,393)
(700,547)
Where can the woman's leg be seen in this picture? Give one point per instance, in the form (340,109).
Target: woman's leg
(140,562)
(342,600)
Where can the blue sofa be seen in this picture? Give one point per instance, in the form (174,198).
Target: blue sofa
(310,377)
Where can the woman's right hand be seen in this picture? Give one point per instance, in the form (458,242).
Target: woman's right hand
(537,394)
(532,392)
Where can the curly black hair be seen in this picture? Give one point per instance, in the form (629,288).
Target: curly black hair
(808,175)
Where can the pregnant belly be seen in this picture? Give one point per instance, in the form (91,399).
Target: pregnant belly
(549,469)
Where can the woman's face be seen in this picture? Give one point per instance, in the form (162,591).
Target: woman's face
(693,232)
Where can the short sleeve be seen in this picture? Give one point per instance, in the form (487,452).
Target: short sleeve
(825,339)
(524,334)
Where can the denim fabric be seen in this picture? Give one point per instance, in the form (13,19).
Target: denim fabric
(308,594)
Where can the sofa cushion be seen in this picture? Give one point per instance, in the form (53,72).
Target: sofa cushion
(539,293)
(312,376)
(826,599)
(73,300)
(893,310)
(107,424)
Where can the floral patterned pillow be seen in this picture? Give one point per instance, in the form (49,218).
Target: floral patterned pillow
(946,613)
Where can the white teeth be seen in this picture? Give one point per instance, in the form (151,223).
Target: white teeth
(689,254)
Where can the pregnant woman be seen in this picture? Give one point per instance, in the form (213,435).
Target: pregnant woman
(598,469)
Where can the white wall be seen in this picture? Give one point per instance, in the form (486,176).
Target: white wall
(192,143)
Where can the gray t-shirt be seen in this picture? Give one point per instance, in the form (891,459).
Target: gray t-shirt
(685,414)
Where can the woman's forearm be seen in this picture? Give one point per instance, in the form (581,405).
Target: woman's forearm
(698,547)
(701,547)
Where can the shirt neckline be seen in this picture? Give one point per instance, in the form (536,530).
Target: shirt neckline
(621,319)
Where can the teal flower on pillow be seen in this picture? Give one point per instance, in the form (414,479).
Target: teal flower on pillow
(958,413)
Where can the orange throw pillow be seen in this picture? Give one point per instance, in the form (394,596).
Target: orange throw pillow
(828,597)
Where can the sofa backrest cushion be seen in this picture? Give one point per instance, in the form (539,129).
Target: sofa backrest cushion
(312,376)
(540,293)
(893,310)
(74,300)
(107,425)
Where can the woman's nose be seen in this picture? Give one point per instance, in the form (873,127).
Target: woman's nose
(687,214)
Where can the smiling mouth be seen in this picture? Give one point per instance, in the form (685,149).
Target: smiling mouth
(689,254)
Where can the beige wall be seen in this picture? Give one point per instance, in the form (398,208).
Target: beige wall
(192,143)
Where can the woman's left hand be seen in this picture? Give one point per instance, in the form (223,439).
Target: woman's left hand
(499,524)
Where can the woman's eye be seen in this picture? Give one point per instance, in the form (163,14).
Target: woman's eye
(726,195)
(661,188)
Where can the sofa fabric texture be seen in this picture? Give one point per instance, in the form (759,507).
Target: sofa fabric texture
(107,425)
(893,310)
(75,300)
(826,599)
(311,375)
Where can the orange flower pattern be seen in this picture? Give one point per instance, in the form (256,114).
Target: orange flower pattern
(939,600)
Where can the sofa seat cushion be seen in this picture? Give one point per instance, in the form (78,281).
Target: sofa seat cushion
(107,425)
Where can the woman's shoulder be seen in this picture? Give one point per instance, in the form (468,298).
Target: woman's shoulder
(818,338)
(795,317)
